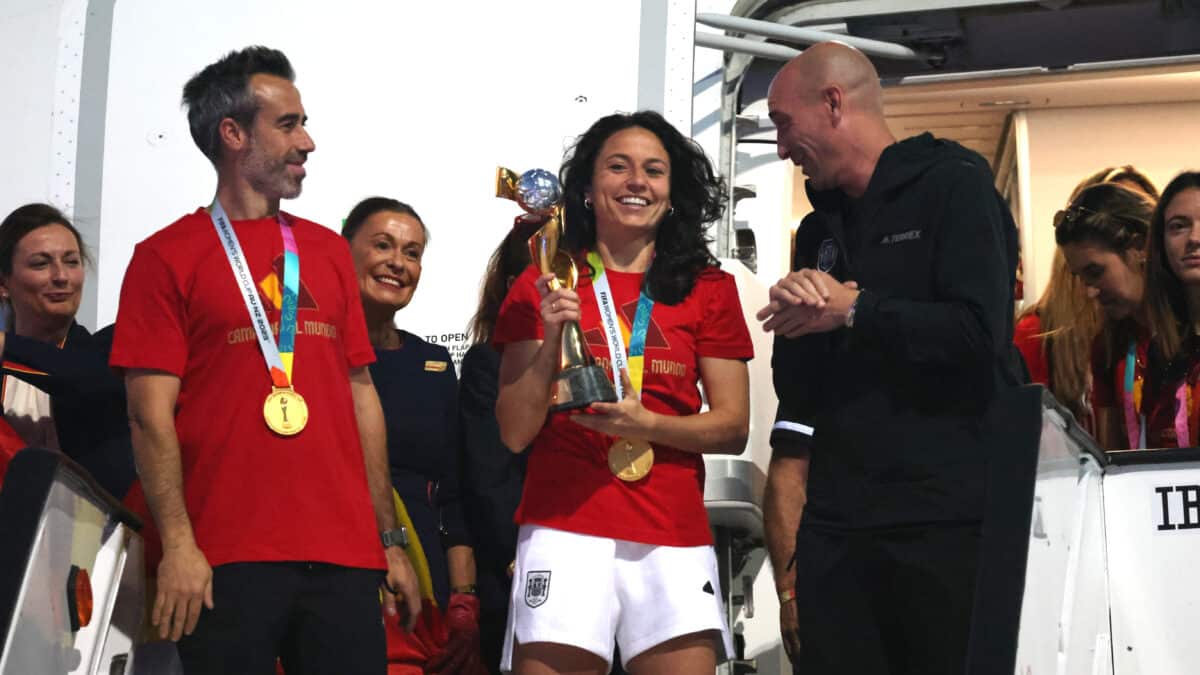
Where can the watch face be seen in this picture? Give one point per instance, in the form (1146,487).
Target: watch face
(397,537)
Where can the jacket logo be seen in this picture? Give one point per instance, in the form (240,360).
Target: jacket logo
(537,588)
(896,238)
(827,255)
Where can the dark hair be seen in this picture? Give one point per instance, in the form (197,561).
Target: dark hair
(1166,298)
(222,90)
(509,259)
(1123,174)
(1106,214)
(681,247)
(372,205)
(26,219)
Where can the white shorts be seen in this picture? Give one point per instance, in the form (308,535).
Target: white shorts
(584,591)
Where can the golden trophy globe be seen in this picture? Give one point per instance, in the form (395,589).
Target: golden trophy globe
(580,382)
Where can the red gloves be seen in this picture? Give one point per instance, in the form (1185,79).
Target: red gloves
(461,655)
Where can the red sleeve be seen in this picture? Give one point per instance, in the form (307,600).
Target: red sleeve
(723,333)
(1104,394)
(357,345)
(151,331)
(1027,338)
(520,318)
(10,444)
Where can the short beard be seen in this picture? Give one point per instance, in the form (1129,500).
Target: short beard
(270,179)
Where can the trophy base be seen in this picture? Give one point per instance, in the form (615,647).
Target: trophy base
(580,387)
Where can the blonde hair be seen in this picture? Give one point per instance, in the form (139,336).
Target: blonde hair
(1125,175)
(1070,322)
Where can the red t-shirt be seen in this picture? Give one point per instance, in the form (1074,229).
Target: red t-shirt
(1029,340)
(568,484)
(252,495)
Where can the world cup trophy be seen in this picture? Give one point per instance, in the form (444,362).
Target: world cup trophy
(580,381)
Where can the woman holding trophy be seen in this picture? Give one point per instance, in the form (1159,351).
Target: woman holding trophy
(614,541)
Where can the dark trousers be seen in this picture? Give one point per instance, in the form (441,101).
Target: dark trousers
(318,619)
(492,625)
(885,602)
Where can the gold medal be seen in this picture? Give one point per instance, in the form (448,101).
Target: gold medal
(285,411)
(630,459)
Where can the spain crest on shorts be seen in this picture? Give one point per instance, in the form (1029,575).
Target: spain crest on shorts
(537,588)
(827,255)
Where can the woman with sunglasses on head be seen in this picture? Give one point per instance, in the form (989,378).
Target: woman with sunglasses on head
(1103,235)
(1055,334)
(614,548)
(1170,400)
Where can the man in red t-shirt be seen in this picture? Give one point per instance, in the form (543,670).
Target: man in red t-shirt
(266,474)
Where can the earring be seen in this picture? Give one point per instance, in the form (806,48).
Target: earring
(587,203)
(671,211)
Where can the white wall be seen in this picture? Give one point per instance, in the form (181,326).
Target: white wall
(405,100)
(1067,144)
(774,213)
(770,214)
(28,34)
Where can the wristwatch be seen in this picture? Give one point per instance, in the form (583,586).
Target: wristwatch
(396,537)
(850,312)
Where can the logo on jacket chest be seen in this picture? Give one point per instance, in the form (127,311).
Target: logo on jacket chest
(827,255)
(897,237)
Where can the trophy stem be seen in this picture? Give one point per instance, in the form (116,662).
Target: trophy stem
(573,352)
(580,381)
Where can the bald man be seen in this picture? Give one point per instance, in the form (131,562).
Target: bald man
(892,337)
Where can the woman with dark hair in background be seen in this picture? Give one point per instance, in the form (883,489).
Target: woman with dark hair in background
(58,390)
(614,547)
(492,475)
(418,391)
(1055,334)
(1103,235)
(1169,401)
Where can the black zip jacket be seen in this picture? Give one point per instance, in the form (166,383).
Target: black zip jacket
(894,408)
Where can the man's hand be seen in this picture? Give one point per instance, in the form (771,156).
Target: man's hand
(789,629)
(805,287)
(401,584)
(807,301)
(184,583)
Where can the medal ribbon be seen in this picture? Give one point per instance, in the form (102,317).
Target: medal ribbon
(1135,422)
(615,332)
(279,358)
